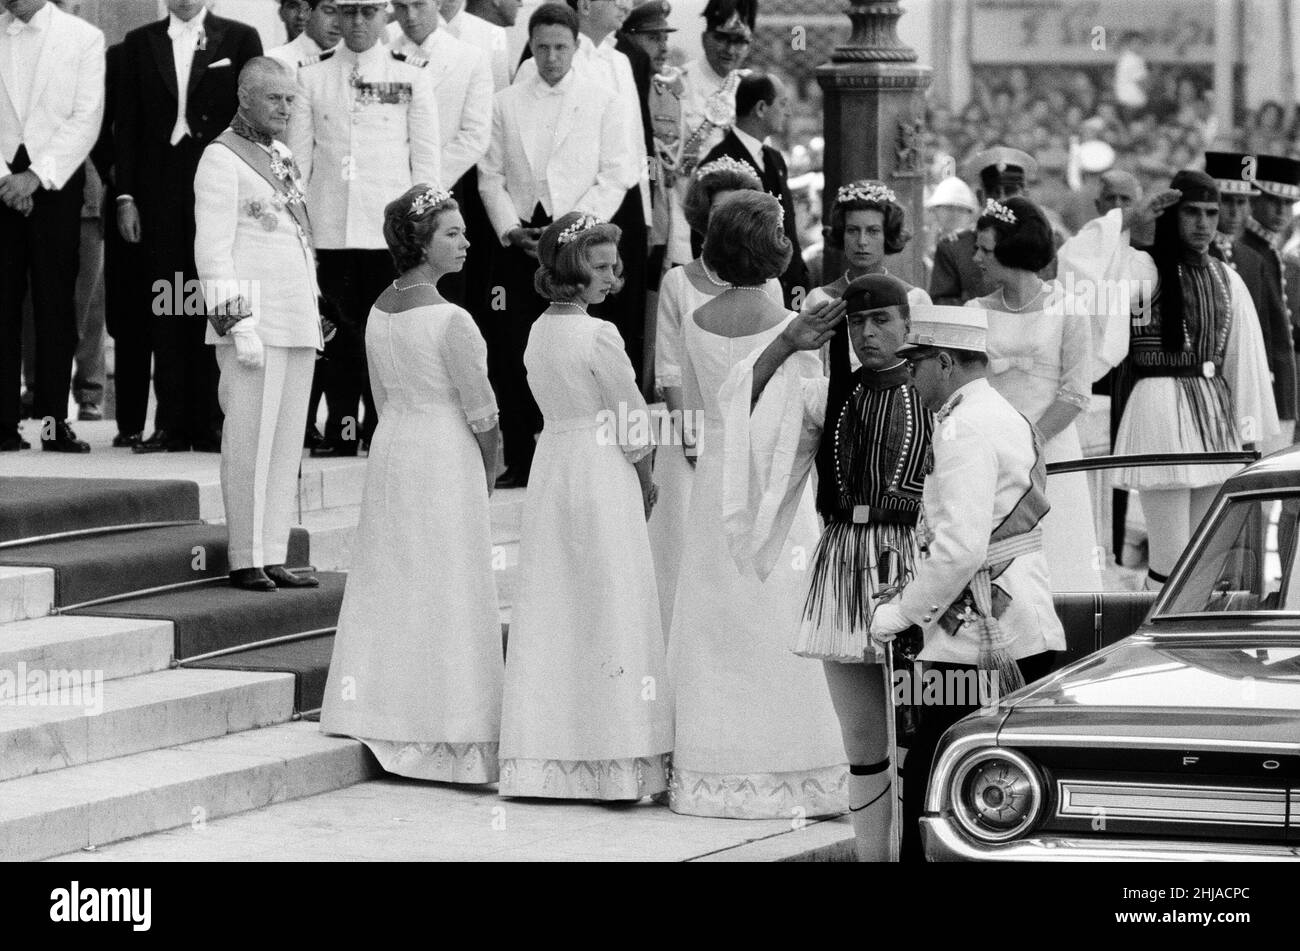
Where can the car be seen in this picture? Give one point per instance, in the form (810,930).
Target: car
(1179,741)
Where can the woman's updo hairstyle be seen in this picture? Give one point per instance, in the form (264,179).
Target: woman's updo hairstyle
(1024,237)
(721,175)
(410,221)
(746,243)
(563,252)
(868,195)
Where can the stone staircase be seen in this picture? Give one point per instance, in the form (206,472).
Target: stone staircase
(133,745)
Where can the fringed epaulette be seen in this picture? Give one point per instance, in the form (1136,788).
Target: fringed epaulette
(944,413)
(419,62)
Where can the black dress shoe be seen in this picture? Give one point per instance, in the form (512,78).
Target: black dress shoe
(207,445)
(251,579)
(313,439)
(512,479)
(65,440)
(284,578)
(127,440)
(333,450)
(14,443)
(162,441)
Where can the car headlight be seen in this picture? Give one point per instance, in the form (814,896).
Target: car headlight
(996,795)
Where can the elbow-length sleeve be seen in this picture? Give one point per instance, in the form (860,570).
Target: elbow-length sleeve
(668,331)
(1076,360)
(466,356)
(620,394)
(1245,367)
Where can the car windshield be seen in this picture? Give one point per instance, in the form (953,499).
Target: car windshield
(1246,563)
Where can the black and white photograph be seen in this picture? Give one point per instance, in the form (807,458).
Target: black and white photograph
(649,431)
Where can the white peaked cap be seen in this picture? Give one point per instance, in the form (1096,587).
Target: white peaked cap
(945,325)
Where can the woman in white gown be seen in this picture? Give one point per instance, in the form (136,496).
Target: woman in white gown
(683,289)
(587,710)
(757,736)
(866,223)
(417,667)
(1040,348)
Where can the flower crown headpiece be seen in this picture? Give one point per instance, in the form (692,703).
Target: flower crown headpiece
(865,191)
(585,223)
(724,164)
(432,198)
(995,209)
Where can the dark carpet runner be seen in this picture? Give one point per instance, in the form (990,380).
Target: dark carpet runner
(308,660)
(101,566)
(32,506)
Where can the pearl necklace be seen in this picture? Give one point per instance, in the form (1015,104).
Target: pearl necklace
(713,278)
(1002,296)
(580,308)
(408,287)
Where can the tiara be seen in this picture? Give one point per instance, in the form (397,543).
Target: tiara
(995,209)
(431,198)
(584,223)
(724,164)
(865,191)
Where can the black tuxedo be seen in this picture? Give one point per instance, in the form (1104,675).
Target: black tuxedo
(1260,267)
(160,177)
(774,178)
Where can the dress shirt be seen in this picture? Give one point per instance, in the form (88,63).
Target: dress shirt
(752,146)
(20,51)
(185,39)
(549,100)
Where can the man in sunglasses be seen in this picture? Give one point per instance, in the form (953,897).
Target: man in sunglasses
(708,105)
(981,593)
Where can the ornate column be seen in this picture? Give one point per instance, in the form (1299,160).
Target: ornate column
(874,114)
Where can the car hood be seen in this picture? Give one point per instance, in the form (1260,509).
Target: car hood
(1175,687)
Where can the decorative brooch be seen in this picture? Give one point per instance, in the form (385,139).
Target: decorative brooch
(995,209)
(585,223)
(431,198)
(724,164)
(263,212)
(865,190)
(287,173)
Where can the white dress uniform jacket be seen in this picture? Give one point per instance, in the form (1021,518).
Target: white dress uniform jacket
(55,109)
(491,39)
(360,147)
(297,53)
(246,242)
(983,457)
(699,82)
(584,167)
(462,83)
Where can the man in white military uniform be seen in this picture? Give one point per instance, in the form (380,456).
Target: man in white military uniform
(983,558)
(253,251)
(557,146)
(365,129)
(320,35)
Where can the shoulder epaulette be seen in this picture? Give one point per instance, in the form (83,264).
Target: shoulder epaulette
(419,62)
(314,60)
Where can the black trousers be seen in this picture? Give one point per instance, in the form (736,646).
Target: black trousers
(353,279)
(934,720)
(515,305)
(41,249)
(128,317)
(185,368)
(626,309)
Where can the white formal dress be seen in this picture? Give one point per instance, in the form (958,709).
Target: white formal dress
(417,667)
(757,737)
(588,710)
(678,298)
(1038,356)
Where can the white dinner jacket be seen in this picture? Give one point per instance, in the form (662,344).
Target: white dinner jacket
(245,244)
(462,84)
(586,167)
(67,100)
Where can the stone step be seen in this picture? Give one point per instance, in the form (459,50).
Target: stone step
(507,511)
(505,563)
(96,803)
(116,646)
(93,721)
(25,593)
(332,532)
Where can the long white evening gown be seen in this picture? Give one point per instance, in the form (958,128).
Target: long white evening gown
(417,667)
(679,296)
(587,710)
(1036,357)
(757,737)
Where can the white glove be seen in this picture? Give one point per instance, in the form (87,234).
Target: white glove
(248,346)
(887,623)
